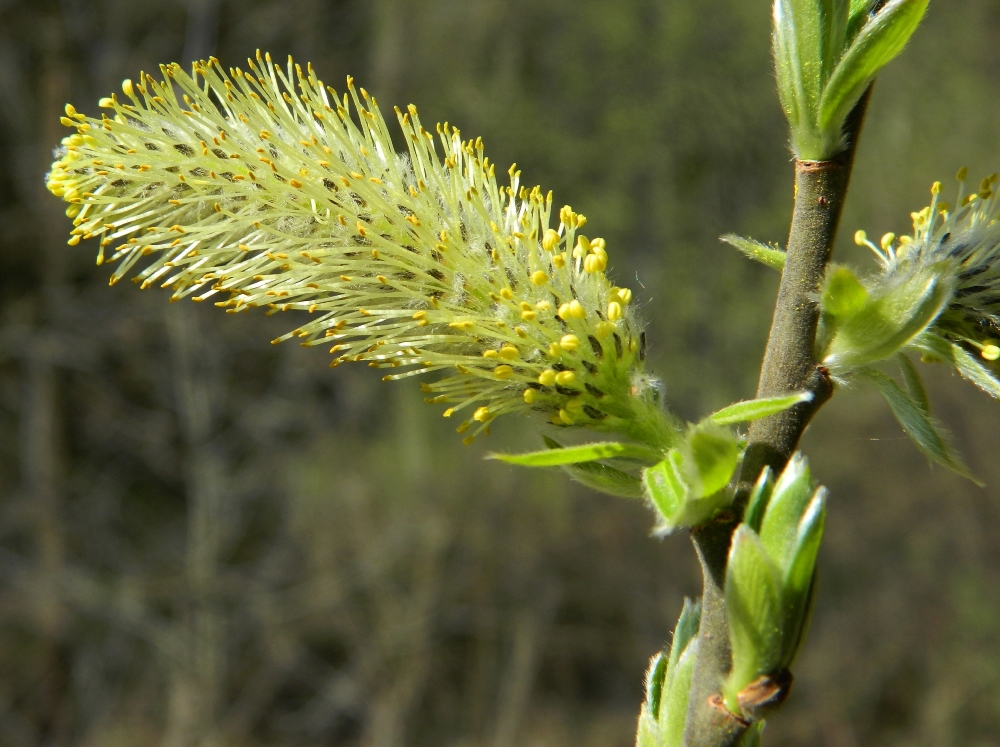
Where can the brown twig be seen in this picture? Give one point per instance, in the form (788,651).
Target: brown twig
(789,365)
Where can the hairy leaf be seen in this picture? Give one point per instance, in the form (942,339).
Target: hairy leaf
(766,255)
(576,454)
(878,41)
(955,355)
(917,423)
(753,602)
(843,293)
(789,499)
(606,479)
(889,321)
(800,573)
(914,384)
(755,409)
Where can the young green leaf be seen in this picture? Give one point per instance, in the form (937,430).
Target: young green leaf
(752,736)
(843,294)
(878,41)
(667,488)
(753,603)
(655,680)
(798,581)
(576,454)
(917,423)
(759,498)
(914,384)
(755,409)
(789,499)
(971,369)
(888,322)
(605,479)
(767,255)
(715,454)
(674,708)
(684,633)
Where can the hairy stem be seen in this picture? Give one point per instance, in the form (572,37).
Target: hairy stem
(789,365)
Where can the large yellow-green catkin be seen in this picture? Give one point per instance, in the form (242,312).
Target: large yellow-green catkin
(264,188)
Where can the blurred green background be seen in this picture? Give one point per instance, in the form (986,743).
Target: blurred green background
(206,540)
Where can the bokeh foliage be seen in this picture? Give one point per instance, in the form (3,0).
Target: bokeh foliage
(208,540)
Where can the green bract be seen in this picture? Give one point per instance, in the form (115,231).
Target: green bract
(826,53)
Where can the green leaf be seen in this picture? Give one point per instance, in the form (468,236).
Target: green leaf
(759,497)
(799,577)
(655,679)
(673,711)
(878,41)
(964,363)
(917,423)
(789,499)
(766,255)
(755,409)
(843,294)
(914,384)
(684,633)
(576,454)
(753,603)
(889,321)
(606,479)
(860,10)
(667,489)
(715,454)
(752,736)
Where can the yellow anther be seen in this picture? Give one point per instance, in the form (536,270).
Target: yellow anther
(962,174)
(74,240)
(566,417)
(936,188)
(564,312)
(604,330)
(614,311)
(503,372)
(990,352)
(595,263)
(420,315)
(550,240)
(127,88)
(529,395)
(490,354)
(106,103)
(449,412)
(625,296)
(575,405)
(887,240)
(539,277)
(554,350)
(507,293)
(295,183)
(547,377)
(569,342)
(481,415)
(860,238)
(582,248)
(565,377)
(529,316)
(559,260)
(576,310)
(543,305)
(509,353)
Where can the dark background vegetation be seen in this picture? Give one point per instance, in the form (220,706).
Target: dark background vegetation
(206,540)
